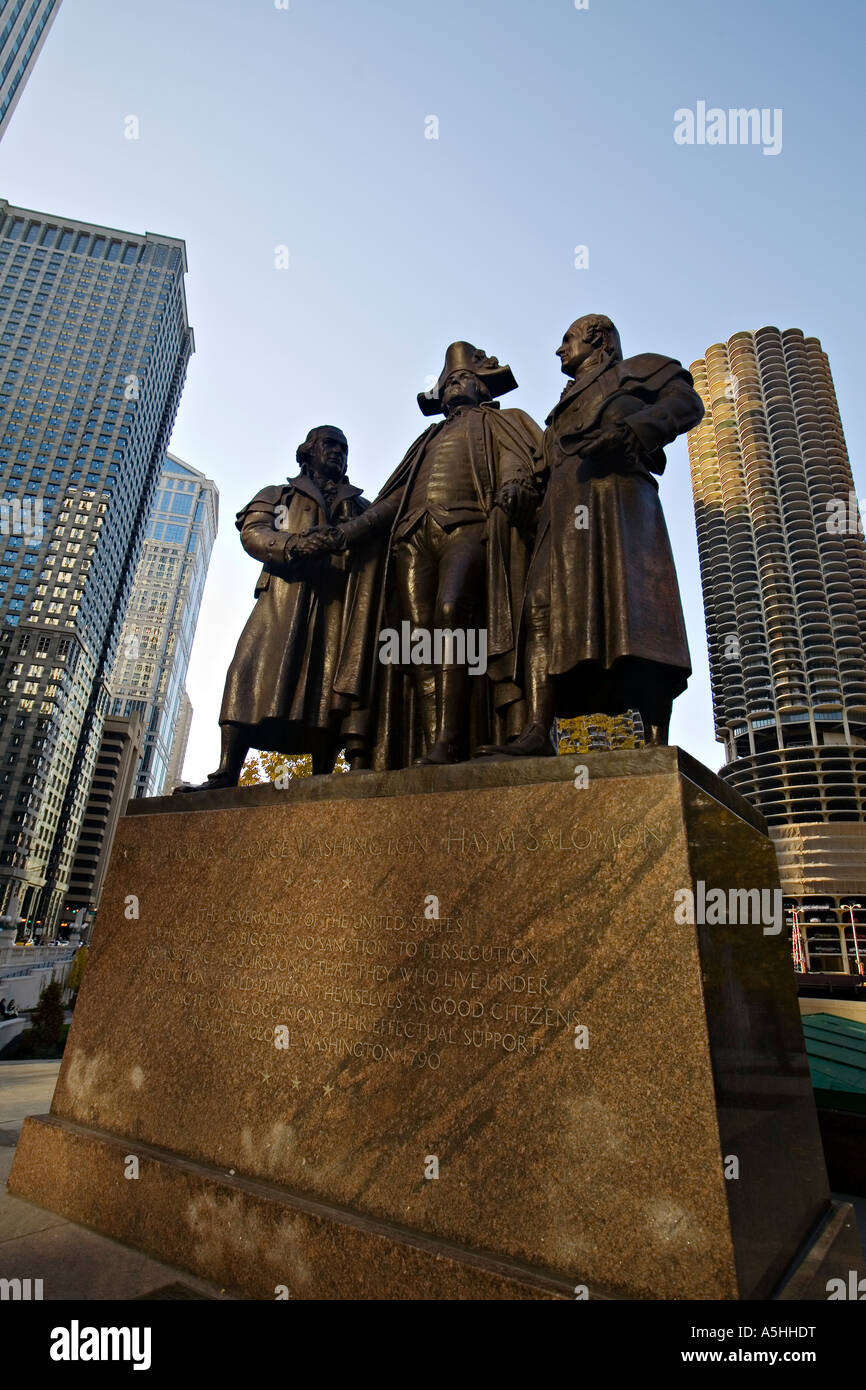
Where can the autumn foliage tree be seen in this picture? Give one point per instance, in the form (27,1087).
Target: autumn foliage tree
(273,767)
(76,973)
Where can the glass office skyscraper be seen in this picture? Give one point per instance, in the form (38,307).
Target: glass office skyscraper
(94,345)
(155,646)
(24,25)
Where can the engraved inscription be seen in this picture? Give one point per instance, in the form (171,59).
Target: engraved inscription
(375,984)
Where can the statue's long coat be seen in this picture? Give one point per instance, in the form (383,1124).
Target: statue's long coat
(280,681)
(511,443)
(616,621)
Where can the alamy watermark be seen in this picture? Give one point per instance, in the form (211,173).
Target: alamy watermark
(854,1289)
(718,907)
(845,515)
(20,1290)
(77,1343)
(22,516)
(439,646)
(737,126)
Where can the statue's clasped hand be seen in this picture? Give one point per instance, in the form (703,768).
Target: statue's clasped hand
(518,503)
(319,540)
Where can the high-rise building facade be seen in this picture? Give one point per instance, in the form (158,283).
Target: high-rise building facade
(783,570)
(120,750)
(94,345)
(24,25)
(156,642)
(174,776)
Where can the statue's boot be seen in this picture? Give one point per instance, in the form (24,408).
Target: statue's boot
(452,703)
(323,755)
(656,724)
(215,782)
(235,745)
(534,742)
(442,751)
(426,696)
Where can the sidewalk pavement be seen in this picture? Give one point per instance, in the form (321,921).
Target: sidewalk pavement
(72,1261)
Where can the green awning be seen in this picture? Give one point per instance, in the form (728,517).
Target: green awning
(836,1048)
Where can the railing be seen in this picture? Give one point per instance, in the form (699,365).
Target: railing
(29,957)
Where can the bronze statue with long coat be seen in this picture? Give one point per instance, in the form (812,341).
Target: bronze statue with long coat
(486,460)
(603,628)
(279,693)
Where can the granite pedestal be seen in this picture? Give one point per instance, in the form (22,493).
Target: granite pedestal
(443,1033)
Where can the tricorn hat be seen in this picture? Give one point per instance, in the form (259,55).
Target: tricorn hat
(463,357)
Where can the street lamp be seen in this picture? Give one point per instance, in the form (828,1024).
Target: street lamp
(851,907)
(797,946)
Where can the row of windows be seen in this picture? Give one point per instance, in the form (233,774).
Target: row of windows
(17,7)
(28,54)
(155,416)
(91,244)
(166,531)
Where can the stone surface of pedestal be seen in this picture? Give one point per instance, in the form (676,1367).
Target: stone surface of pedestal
(441,1033)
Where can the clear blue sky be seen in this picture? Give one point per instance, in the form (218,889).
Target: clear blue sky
(306,127)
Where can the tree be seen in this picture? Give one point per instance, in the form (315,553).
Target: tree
(271,767)
(42,1038)
(76,973)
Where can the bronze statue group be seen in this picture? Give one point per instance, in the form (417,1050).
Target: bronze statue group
(551,546)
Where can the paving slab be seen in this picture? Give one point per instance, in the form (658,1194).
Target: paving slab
(72,1262)
(76,1264)
(26,1088)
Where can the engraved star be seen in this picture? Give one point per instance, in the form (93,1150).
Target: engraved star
(328,1088)
(347,883)
(296,1085)
(317,883)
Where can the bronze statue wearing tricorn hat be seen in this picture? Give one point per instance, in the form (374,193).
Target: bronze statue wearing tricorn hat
(460,510)
(463,357)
